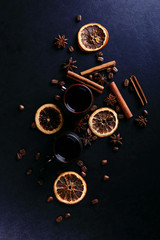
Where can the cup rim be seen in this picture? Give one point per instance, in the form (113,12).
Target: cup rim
(90,94)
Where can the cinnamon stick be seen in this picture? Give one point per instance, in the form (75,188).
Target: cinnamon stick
(138,90)
(120,100)
(84,80)
(99,68)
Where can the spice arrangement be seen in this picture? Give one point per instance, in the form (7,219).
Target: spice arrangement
(90,122)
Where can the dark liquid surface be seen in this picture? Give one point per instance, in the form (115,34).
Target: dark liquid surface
(78,99)
(67,148)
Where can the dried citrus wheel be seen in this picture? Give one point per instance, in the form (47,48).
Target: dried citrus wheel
(92,37)
(103,122)
(48,118)
(70,187)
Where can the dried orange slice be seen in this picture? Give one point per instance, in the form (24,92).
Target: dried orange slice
(103,122)
(70,187)
(92,37)
(48,118)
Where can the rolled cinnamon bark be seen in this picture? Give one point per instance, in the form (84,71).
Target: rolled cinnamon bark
(99,68)
(120,100)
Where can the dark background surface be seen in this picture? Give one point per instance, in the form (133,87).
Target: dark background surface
(129,203)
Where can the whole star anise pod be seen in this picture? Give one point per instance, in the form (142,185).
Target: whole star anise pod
(141,121)
(110,100)
(61,41)
(101,79)
(80,125)
(70,65)
(116,139)
(87,139)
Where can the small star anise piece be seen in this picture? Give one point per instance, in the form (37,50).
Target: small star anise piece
(80,125)
(110,100)
(87,139)
(61,41)
(141,121)
(101,79)
(70,65)
(116,139)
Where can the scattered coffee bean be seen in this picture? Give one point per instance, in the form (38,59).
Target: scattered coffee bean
(86,117)
(84,169)
(54,81)
(96,74)
(100,59)
(106,177)
(104,162)
(83,174)
(108,70)
(93,108)
(126,83)
(95,201)
(120,116)
(59,219)
(118,108)
(89,131)
(115,149)
(110,75)
(33,125)
(61,83)
(21,107)
(49,199)
(37,155)
(19,156)
(78,18)
(90,76)
(29,171)
(114,70)
(40,181)
(145,113)
(99,54)
(71,49)
(22,152)
(80,163)
(57,97)
(67,215)
(94,137)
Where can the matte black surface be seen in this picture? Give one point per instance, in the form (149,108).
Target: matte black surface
(129,202)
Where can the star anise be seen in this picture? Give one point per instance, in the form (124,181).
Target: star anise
(110,100)
(141,121)
(101,79)
(116,139)
(61,41)
(70,65)
(80,125)
(87,139)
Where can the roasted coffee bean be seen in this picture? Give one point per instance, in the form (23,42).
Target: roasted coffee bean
(49,199)
(22,151)
(78,18)
(21,107)
(126,83)
(145,113)
(120,116)
(71,49)
(100,59)
(33,125)
(90,76)
(104,162)
(19,156)
(54,81)
(94,137)
(29,171)
(57,97)
(95,201)
(96,74)
(83,174)
(93,108)
(67,215)
(115,149)
(114,70)
(80,163)
(89,131)
(40,181)
(99,54)
(118,108)
(59,219)
(106,177)
(108,70)
(84,169)
(110,75)
(86,117)
(61,83)
(37,155)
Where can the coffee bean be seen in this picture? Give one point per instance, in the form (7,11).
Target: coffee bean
(83,174)
(90,76)
(40,181)
(78,18)
(108,70)
(67,215)
(33,125)
(99,54)
(96,74)
(29,172)
(95,201)
(104,162)
(37,156)
(105,177)
(21,107)
(84,169)
(22,151)
(114,70)
(61,83)
(120,116)
(80,163)
(94,137)
(54,81)
(145,113)
(71,49)
(57,97)
(118,108)
(93,108)
(89,131)
(115,149)
(100,59)
(19,156)
(59,219)
(110,75)
(49,199)
(126,83)
(86,117)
